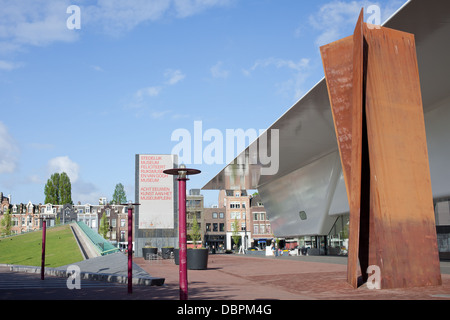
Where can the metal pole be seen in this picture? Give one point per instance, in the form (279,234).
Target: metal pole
(130,249)
(182,239)
(44,231)
(182,173)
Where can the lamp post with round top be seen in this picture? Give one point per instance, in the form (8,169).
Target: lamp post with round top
(182,173)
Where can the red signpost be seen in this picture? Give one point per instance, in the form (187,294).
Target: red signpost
(182,173)
(130,245)
(44,231)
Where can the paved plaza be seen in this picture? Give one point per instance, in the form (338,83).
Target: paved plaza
(228,277)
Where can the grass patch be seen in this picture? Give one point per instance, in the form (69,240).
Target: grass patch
(61,248)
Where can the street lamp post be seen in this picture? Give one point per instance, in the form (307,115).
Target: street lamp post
(44,232)
(182,173)
(130,245)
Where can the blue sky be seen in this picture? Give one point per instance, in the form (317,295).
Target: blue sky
(85,101)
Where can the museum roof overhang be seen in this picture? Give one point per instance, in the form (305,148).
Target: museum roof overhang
(306,131)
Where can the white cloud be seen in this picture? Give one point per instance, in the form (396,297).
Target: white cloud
(64,164)
(185,8)
(85,192)
(294,84)
(118,16)
(8,66)
(147,92)
(159,114)
(42,22)
(140,103)
(336,19)
(37,22)
(278,63)
(8,151)
(217,71)
(97,68)
(173,76)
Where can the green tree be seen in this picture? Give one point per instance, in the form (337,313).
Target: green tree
(6,224)
(65,189)
(58,189)
(235,235)
(195,231)
(104,226)
(119,195)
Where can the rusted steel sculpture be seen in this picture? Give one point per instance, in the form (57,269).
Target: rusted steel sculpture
(374,90)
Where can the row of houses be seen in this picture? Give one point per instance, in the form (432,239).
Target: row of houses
(217,224)
(239,219)
(27,217)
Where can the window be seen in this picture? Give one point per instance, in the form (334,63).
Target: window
(262,228)
(236,194)
(113,223)
(256,229)
(214,215)
(255,216)
(108,212)
(215,227)
(221,215)
(208,227)
(235,205)
(262,216)
(235,215)
(122,222)
(221,227)
(88,210)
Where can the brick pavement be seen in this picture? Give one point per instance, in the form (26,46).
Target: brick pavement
(228,278)
(238,277)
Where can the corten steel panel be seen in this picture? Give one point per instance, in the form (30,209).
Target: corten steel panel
(343,64)
(401,197)
(337,59)
(374,90)
(355,195)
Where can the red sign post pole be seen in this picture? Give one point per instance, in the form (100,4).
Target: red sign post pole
(182,173)
(44,231)
(130,245)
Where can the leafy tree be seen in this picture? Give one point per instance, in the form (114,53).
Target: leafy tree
(104,226)
(6,224)
(195,231)
(119,195)
(65,189)
(58,189)
(236,237)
